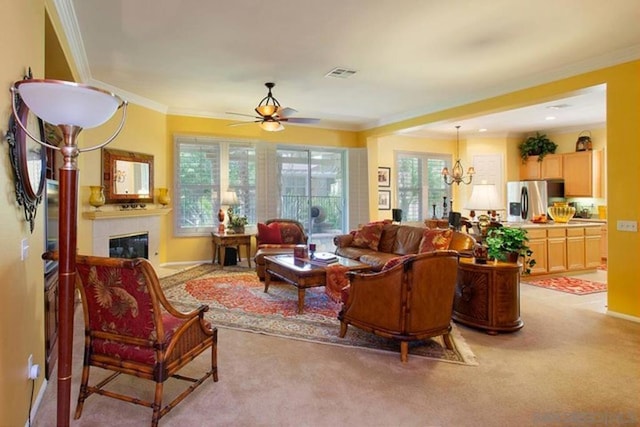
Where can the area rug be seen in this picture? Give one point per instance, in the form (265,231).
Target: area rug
(570,285)
(237,300)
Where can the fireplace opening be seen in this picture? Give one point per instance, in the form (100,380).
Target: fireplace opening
(134,245)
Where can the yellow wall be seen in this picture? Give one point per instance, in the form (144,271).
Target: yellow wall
(22,287)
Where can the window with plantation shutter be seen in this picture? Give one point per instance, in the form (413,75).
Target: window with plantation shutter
(420,184)
(197,194)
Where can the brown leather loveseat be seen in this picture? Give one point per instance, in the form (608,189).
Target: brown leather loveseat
(378,242)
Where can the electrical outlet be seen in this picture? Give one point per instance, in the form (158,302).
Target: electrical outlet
(631,226)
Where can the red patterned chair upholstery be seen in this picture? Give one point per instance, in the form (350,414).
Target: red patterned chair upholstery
(276,237)
(131,328)
(410,299)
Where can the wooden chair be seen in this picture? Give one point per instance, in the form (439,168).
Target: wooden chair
(131,328)
(410,301)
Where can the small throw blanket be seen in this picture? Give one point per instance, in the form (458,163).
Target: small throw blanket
(335,281)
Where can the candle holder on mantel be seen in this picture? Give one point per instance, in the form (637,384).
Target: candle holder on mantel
(163,197)
(96,198)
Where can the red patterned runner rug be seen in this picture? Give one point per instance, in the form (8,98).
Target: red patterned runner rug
(237,300)
(570,285)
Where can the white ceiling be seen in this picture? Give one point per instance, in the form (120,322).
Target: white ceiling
(412,57)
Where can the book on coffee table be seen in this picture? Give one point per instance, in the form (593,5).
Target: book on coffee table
(324,258)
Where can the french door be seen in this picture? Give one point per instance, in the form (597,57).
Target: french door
(312,191)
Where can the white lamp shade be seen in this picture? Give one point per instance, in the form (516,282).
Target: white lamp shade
(484,197)
(66,103)
(229,198)
(271,126)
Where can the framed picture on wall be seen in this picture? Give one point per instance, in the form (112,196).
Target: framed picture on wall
(384,199)
(384,177)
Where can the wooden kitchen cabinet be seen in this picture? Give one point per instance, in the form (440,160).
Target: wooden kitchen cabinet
(556,250)
(604,248)
(538,246)
(575,249)
(582,172)
(592,239)
(550,167)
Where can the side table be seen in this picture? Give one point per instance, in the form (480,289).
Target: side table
(220,241)
(488,296)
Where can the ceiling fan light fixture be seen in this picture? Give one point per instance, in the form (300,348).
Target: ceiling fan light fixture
(271,126)
(268,106)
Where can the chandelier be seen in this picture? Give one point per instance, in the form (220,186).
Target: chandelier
(457,173)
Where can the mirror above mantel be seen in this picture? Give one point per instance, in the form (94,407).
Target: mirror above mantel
(127,177)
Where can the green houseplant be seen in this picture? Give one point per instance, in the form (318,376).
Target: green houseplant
(509,244)
(236,222)
(538,145)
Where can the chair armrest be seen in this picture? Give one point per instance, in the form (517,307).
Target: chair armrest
(343,240)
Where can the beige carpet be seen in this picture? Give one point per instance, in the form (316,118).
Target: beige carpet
(569,365)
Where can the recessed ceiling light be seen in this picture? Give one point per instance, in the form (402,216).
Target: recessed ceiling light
(558,106)
(482,130)
(550,118)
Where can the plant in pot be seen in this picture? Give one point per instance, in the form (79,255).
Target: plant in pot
(510,244)
(236,222)
(538,145)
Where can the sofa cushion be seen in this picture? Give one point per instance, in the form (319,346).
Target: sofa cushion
(396,261)
(389,232)
(376,260)
(269,234)
(435,239)
(291,233)
(408,240)
(368,236)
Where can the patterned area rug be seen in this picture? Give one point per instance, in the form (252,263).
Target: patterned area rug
(236,300)
(570,285)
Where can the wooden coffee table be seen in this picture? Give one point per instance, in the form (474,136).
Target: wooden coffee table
(301,273)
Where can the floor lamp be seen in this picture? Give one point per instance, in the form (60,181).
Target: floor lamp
(71,107)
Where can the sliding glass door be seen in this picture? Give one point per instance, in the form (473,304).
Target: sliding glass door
(312,191)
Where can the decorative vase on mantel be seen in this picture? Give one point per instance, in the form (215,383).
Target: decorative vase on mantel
(96,198)
(163,197)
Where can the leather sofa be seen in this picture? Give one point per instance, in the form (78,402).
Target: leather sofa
(397,240)
(277,237)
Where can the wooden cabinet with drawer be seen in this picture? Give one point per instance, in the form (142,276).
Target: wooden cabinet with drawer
(575,249)
(538,245)
(556,250)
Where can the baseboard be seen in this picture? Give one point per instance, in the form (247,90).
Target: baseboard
(623,316)
(36,403)
(174,264)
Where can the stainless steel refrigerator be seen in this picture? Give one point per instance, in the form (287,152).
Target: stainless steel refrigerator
(525,200)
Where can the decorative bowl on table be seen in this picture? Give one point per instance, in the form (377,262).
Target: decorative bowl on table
(561,212)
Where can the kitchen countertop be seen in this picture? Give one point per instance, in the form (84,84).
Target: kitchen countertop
(598,220)
(551,224)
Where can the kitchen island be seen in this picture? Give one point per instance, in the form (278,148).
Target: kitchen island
(563,247)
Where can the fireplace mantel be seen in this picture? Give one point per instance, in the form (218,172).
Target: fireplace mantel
(129,213)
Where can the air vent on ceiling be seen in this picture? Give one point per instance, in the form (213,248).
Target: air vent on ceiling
(340,73)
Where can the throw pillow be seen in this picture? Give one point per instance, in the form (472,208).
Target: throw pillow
(368,236)
(269,234)
(395,261)
(435,239)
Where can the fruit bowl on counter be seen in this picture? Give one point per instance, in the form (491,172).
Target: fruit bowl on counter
(561,212)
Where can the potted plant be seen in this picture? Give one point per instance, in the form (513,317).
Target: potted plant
(509,244)
(538,145)
(236,222)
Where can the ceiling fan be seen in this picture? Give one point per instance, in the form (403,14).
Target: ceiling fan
(270,114)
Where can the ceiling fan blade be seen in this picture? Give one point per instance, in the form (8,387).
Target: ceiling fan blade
(285,112)
(299,120)
(244,123)
(242,114)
